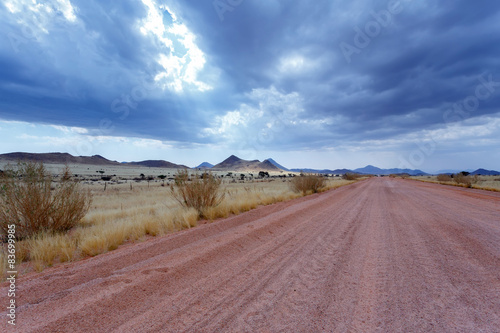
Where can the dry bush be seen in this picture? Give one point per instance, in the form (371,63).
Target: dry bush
(350,176)
(197,193)
(462,179)
(444,178)
(28,200)
(303,184)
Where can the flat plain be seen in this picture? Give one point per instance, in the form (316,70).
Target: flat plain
(379,255)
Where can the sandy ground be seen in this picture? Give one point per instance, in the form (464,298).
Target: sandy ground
(382,255)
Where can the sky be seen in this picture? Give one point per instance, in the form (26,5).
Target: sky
(323,84)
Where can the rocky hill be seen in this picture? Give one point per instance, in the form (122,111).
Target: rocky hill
(235,163)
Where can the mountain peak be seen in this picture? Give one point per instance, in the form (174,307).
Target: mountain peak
(204,165)
(276,164)
(232,159)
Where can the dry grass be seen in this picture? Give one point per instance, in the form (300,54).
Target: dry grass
(488,183)
(45,249)
(121,215)
(3,264)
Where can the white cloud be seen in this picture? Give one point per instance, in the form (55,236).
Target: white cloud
(181,69)
(67,130)
(151,144)
(67,9)
(270,116)
(37,16)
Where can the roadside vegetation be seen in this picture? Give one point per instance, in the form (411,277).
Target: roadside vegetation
(351,176)
(200,193)
(33,204)
(464,179)
(307,184)
(82,220)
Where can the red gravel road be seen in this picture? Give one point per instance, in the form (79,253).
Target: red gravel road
(381,255)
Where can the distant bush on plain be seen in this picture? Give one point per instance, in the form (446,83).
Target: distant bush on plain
(350,176)
(444,178)
(465,179)
(304,183)
(198,193)
(30,201)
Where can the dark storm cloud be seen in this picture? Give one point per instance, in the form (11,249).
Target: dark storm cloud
(403,75)
(428,57)
(75,74)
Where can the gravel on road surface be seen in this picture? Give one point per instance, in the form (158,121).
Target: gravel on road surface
(381,255)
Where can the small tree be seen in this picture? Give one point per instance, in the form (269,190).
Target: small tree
(197,193)
(28,201)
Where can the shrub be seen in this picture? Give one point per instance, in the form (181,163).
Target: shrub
(197,193)
(28,200)
(444,178)
(307,183)
(350,176)
(461,178)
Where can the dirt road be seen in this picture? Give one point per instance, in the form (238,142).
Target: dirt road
(381,255)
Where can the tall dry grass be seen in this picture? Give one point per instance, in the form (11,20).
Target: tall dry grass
(3,264)
(488,183)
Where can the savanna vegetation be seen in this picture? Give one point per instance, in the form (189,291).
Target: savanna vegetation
(464,179)
(65,220)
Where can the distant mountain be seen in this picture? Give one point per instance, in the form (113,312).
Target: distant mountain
(204,165)
(323,171)
(158,164)
(484,172)
(276,164)
(57,158)
(372,170)
(234,163)
(65,158)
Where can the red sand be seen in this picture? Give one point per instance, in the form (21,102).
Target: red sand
(381,255)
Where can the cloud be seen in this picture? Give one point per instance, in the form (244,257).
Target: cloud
(270,118)
(82,56)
